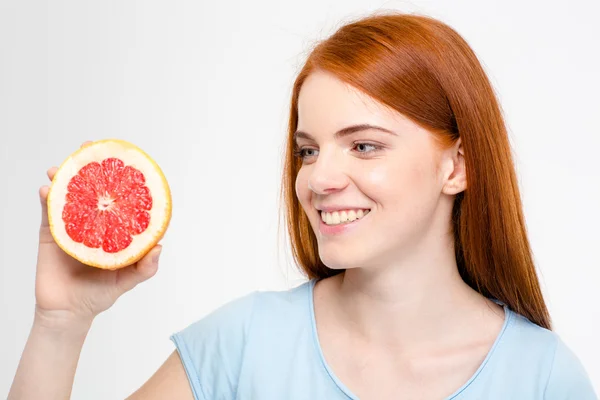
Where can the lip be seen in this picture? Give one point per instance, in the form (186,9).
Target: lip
(340,208)
(334,230)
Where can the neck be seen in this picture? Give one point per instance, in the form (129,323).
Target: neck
(411,304)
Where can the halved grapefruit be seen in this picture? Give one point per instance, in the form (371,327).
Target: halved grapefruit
(109,204)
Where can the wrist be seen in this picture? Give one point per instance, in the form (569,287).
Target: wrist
(61,322)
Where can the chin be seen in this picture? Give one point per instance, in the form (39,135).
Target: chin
(337,261)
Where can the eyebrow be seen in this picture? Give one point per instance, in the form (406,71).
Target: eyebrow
(349,130)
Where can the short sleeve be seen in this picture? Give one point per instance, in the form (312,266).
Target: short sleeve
(212,348)
(568,379)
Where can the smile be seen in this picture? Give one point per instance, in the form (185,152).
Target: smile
(332,224)
(342,216)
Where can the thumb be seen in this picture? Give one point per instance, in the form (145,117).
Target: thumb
(129,277)
(45,236)
(43,195)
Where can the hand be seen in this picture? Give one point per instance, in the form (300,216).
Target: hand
(69,292)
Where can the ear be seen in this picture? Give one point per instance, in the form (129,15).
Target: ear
(456,181)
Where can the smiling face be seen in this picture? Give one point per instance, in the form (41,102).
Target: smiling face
(396,172)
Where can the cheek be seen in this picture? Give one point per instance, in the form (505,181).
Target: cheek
(301,187)
(399,187)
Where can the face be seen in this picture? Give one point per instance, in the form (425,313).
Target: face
(395,172)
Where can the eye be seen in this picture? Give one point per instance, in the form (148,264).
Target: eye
(300,152)
(367,145)
(362,150)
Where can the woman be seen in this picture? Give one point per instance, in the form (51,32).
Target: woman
(404,212)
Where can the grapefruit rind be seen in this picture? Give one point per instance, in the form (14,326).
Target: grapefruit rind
(160,214)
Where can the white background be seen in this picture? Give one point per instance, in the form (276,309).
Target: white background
(203,87)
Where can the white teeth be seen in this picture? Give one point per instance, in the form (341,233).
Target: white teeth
(352,215)
(335,218)
(341,217)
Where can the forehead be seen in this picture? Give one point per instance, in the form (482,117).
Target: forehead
(326,103)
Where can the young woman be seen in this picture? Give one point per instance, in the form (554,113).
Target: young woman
(404,212)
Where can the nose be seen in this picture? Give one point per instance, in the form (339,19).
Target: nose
(328,172)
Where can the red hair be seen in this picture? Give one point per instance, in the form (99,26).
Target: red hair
(426,71)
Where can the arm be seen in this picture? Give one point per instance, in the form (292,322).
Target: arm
(168,382)
(49,361)
(50,345)
(68,296)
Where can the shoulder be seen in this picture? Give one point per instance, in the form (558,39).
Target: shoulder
(215,341)
(543,353)
(212,348)
(568,378)
(234,318)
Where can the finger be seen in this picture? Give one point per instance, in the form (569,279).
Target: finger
(51,172)
(129,277)
(43,192)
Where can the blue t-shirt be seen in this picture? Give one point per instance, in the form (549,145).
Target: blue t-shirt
(264,346)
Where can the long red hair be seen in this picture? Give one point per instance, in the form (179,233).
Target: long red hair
(426,71)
